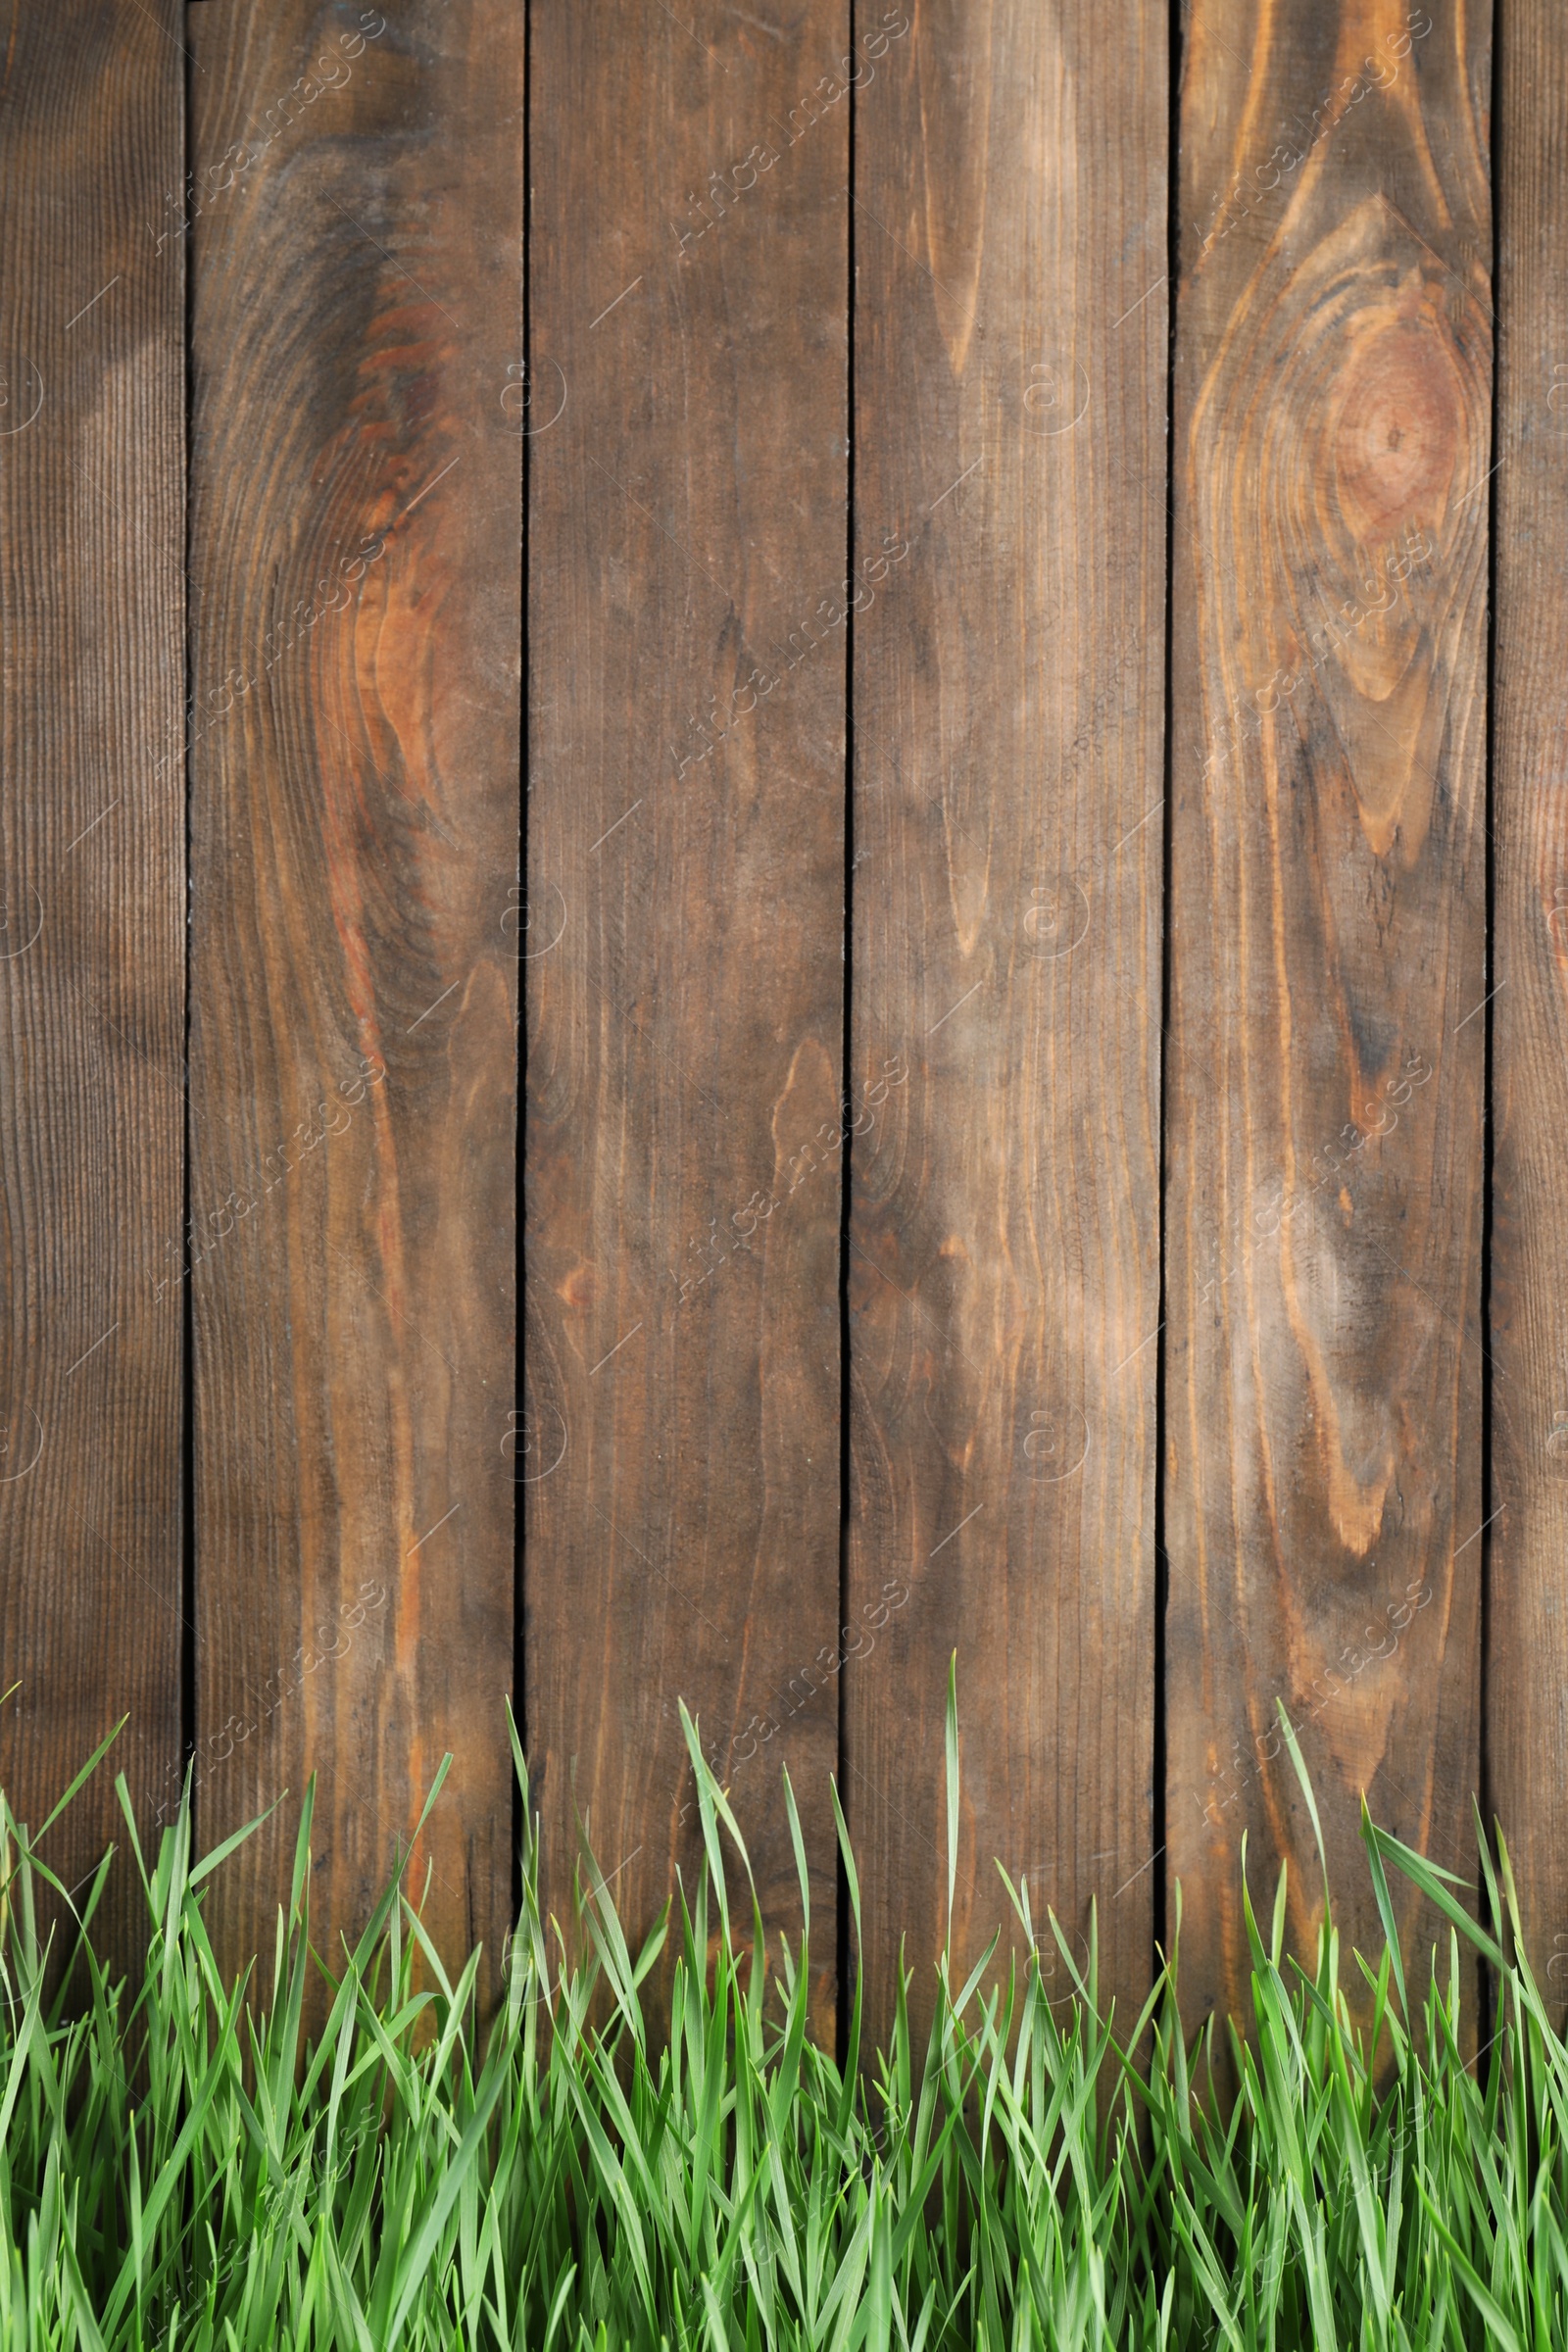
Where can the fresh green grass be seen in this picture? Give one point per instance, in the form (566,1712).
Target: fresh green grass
(174,2171)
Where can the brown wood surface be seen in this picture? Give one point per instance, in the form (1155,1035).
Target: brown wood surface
(1322,1452)
(379,415)
(357,509)
(1010,357)
(684,927)
(1527,1693)
(92,596)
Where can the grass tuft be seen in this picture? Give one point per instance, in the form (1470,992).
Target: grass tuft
(179,2166)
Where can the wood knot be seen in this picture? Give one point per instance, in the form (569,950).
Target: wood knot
(1398,435)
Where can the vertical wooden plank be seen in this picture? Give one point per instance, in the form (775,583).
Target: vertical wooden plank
(685,927)
(355,678)
(1527,1694)
(1010,350)
(1328,950)
(91,888)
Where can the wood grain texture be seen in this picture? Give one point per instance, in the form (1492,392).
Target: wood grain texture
(1011,241)
(357,510)
(91,890)
(1328,952)
(1527,1695)
(684,943)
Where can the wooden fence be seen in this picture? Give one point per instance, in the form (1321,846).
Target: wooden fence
(927,632)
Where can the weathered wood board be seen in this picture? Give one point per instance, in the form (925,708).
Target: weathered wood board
(683,951)
(1527,1686)
(92,967)
(1328,952)
(356,674)
(1011,371)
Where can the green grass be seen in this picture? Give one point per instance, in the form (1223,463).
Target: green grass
(178,2168)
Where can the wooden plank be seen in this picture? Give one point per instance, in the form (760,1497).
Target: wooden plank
(1009,695)
(357,509)
(91,891)
(685,924)
(1328,953)
(1527,1693)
